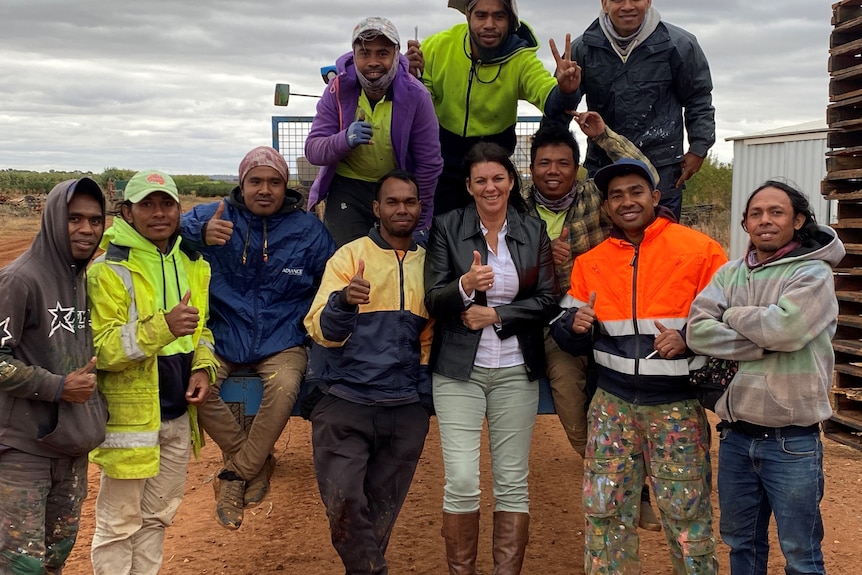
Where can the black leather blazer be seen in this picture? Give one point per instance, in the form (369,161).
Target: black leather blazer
(454,236)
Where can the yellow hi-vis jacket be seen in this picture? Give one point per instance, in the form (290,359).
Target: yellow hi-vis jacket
(130,293)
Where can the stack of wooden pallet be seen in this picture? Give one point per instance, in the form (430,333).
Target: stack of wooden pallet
(844,183)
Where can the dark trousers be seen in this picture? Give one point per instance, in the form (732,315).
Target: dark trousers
(671,196)
(364,459)
(349,214)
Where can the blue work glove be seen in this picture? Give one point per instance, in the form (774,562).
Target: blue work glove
(358,132)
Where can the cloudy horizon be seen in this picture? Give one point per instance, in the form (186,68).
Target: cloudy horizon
(187,87)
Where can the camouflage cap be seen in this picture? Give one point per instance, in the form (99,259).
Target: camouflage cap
(374,26)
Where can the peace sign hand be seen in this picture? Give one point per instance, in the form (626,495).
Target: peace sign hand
(568,72)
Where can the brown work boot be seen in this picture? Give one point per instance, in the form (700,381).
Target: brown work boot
(511,535)
(257,488)
(461,534)
(229,489)
(648,519)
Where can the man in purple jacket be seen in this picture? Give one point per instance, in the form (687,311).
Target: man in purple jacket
(373,117)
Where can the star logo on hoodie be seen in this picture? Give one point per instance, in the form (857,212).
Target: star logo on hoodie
(62,318)
(6,335)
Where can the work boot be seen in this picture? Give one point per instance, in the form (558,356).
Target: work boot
(257,488)
(229,489)
(511,535)
(461,534)
(647,519)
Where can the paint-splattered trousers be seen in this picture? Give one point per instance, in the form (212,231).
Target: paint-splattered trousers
(40,507)
(364,459)
(281,375)
(670,443)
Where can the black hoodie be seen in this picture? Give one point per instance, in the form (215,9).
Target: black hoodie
(44,335)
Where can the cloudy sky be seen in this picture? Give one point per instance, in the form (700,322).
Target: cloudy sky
(187,86)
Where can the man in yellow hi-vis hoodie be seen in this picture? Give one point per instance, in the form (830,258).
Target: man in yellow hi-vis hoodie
(149,301)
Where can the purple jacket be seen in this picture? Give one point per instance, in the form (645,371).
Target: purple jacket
(414,131)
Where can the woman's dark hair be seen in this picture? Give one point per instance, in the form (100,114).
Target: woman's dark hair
(800,205)
(491,152)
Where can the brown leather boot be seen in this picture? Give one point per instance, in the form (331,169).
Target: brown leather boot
(511,535)
(461,533)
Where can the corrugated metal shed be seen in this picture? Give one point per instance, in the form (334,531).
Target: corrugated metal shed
(794,154)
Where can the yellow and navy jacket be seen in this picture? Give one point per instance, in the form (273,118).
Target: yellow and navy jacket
(140,362)
(637,285)
(374,354)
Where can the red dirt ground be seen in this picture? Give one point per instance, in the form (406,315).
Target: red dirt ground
(288,531)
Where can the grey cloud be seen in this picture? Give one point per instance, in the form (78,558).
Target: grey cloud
(187,86)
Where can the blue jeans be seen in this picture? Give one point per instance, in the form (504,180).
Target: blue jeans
(780,476)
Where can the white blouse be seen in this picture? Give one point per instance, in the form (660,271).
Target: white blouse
(494,352)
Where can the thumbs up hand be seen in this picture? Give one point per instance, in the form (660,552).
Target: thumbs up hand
(669,343)
(79,385)
(585,317)
(478,277)
(183,319)
(217,231)
(561,248)
(359,132)
(358,291)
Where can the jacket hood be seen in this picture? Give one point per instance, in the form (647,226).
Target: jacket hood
(122,234)
(824,245)
(521,39)
(52,243)
(292,202)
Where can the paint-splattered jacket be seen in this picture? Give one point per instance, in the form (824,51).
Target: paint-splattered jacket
(644,97)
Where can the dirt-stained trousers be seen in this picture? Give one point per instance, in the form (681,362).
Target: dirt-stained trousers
(364,459)
(245,452)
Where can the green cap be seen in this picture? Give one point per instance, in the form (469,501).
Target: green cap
(146,182)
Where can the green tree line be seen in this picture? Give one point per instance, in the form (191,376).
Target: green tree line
(711,185)
(29,182)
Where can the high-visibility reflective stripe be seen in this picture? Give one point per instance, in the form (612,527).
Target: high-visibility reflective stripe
(655,366)
(129,332)
(619,327)
(123,439)
(568,301)
(206,344)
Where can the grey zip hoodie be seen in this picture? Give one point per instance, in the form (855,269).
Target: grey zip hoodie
(44,335)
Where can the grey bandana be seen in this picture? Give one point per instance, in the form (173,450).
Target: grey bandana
(380,85)
(559,204)
(623,46)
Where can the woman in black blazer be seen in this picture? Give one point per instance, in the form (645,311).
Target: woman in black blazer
(490,285)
